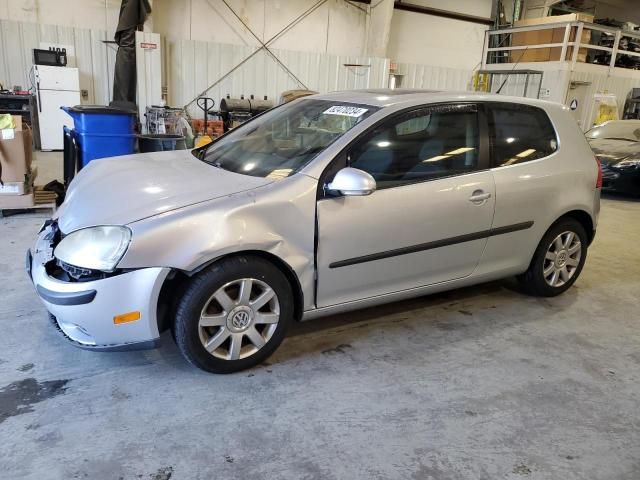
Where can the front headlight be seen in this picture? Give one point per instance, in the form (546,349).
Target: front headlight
(629,163)
(97,248)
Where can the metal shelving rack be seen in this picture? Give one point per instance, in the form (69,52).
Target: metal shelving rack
(24,105)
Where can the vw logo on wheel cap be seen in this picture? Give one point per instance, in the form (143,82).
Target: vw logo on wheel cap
(239,319)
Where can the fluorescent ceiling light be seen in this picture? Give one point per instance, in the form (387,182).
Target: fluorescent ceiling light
(526,153)
(458,151)
(383,144)
(435,159)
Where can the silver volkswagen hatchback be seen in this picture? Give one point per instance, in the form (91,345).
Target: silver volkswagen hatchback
(322,205)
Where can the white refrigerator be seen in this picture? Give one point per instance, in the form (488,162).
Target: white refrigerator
(55,87)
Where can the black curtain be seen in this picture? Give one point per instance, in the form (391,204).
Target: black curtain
(133,14)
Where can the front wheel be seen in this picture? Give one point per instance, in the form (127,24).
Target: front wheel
(233,315)
(558,260)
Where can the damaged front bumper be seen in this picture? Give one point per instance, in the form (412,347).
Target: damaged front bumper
(85,311)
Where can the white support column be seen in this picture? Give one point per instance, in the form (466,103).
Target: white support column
(378,28)
(565,40)
(576,45)
(614,54)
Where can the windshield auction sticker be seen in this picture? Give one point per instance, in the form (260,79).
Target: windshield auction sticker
(345,111)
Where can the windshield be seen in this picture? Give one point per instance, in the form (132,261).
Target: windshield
(283,140)
(616,130)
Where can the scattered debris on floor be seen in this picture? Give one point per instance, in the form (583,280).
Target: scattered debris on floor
(521,469)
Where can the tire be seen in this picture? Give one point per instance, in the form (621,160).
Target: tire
(534,280)
(217,311)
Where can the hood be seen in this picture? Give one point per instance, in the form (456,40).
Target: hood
(611,151)
(121,190)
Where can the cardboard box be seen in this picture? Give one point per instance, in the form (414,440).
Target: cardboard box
(550,35)
(20,188)
(14,188)
(9,202)
(15,152)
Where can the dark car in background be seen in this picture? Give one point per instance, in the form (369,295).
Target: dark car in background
(617,145)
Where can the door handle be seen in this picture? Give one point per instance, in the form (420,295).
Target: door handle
(479,196)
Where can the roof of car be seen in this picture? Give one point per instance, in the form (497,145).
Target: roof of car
(384,97)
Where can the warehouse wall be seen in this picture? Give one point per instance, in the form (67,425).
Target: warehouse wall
(437,41)
(90,14)
(94,59)
(194,66)
(203,41)
(434,78)
(334,27)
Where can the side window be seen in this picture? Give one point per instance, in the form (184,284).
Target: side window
(519,133)
(421,145)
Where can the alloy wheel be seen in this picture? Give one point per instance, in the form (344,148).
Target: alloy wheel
(239,319)
(562,259)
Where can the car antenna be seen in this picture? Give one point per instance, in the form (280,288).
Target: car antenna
(514,67)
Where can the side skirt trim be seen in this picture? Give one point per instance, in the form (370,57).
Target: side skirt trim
(431,245)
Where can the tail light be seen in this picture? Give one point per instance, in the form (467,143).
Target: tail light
(599,180)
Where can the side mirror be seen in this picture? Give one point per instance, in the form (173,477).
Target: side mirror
(352,182)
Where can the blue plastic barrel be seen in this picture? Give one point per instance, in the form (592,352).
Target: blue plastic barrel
(101,119)
(102,131)
(102,145)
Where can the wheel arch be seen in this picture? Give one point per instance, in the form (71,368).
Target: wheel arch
(177,280)
(583,218)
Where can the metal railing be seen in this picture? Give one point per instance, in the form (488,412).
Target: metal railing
(498,44)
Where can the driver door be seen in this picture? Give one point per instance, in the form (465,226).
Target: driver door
(430,217)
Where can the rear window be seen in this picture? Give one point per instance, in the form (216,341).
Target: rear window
(519,133)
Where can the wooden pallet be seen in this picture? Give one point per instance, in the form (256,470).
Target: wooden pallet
(41,207)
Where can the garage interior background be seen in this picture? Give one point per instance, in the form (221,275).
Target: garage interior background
(202,40)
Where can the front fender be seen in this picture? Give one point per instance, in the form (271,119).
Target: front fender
(278,218)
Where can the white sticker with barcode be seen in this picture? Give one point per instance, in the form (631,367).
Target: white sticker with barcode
(8,134)
(345,111)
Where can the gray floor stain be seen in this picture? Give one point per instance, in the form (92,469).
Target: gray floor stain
(339,349)
(26,367)
(163,473)
(521,469)
(50,438)
(19,397)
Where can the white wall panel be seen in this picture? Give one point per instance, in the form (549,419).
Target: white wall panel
(193,66)
(427,39)
(88,14)
(336,26)
(94,59)
(620,86)
(434,77)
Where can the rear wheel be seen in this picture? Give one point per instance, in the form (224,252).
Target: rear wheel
(233,315)
(558,260)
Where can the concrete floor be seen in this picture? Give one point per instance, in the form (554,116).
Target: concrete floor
(479,383)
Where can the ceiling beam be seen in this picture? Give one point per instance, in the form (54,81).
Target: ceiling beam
(409,7)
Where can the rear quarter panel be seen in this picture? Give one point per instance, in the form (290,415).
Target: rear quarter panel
(541,191)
